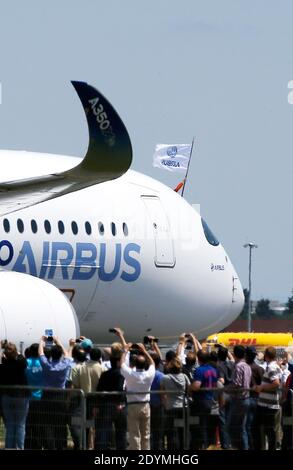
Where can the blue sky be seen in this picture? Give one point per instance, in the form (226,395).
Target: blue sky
(218,71)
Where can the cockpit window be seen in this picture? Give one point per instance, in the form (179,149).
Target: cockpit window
(209,234)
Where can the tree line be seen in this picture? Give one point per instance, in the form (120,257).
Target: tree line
(264,311)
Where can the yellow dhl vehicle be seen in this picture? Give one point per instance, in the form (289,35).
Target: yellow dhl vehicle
(259,340)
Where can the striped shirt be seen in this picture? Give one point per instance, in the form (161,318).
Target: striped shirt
(241,378)
(270,399)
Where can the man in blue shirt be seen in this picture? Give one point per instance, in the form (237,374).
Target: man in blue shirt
(206,377)
(55,372)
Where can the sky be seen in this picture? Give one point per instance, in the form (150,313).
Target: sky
(215,71)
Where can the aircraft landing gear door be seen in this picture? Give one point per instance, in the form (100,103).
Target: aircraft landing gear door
(164,249)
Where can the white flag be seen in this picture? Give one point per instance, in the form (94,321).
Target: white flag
(173,157)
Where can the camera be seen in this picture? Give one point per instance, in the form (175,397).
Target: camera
(147,340)
(49,332)
(49,338)
(112,330)
(189,344)
(135,349)
(78,340)
(4,342)
(187,335)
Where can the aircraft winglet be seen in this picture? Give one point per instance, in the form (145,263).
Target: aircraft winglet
(108,156)
(109,151)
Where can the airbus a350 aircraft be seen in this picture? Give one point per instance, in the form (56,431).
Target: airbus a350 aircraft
(125,249)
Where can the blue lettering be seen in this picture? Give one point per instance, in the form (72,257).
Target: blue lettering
(62,255)
(26,252)
(132,262)
(84,262)
(102,273)
(63,262)
(171,163)
(4,262)
(45,260)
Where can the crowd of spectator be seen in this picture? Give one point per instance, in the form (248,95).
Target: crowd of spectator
(136,399)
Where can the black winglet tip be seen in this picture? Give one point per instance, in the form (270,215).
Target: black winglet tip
(78,83)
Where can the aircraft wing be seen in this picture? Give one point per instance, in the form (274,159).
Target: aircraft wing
(108,156)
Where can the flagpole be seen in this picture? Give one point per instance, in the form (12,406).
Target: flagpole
(187,167)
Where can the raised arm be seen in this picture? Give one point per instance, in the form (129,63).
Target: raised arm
(58,342)
(120,335)
(196,344)
(181,345)
(155,347)
(41,346)
(147,355)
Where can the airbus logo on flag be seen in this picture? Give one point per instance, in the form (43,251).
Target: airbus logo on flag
(172,151)
(171,163)
(172,157)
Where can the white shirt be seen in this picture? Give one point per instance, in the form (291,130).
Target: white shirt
(284,374)
(138,381)
(106,365)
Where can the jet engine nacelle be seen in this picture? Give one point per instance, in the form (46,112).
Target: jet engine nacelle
(29,306)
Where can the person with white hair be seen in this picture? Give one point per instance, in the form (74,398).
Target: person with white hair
(138,380)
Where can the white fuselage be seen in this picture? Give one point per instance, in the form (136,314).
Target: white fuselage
(129,252)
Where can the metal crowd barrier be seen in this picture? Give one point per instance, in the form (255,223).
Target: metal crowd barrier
(67,419)
(43,417)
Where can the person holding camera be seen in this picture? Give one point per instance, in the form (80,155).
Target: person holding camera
(138,381)
(15,402)
(187,349)
(156,398)
(188,345)
(55,373)
(116,348)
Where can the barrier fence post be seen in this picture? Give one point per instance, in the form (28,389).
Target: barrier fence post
(291,420)
(83,421)
(186,435)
